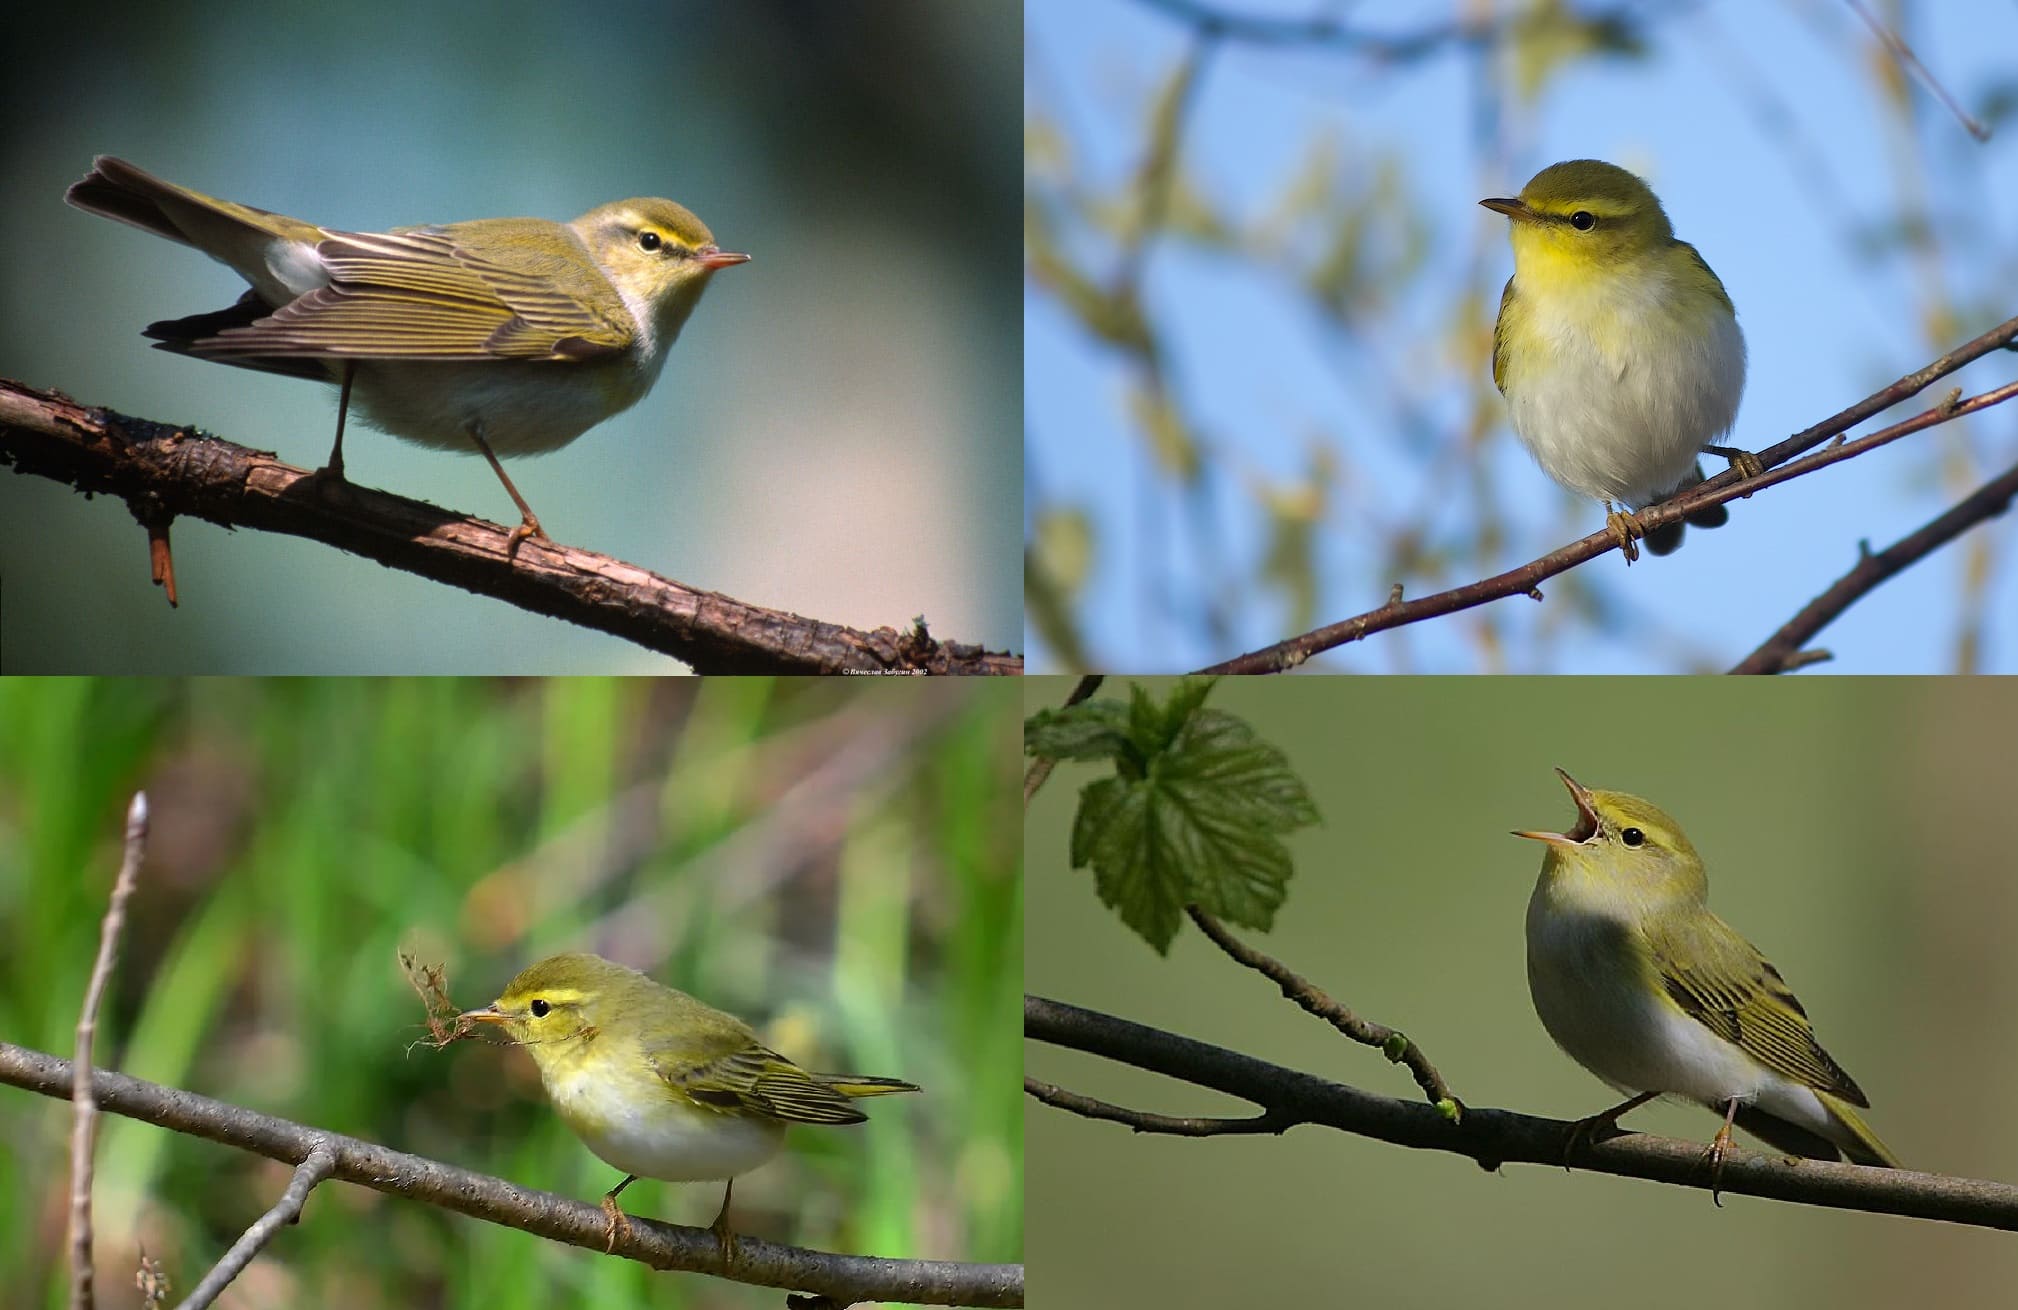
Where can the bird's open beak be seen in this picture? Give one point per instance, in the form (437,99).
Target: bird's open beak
(1512,208)
(716,257)
(1587,817)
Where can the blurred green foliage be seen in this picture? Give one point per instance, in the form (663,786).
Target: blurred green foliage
(1852,829)
(837,861)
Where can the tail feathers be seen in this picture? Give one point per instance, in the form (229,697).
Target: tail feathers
(120,191)
(858,1085)
(1664,539)
(849,1084)
(1862,1146)
(1856,1142)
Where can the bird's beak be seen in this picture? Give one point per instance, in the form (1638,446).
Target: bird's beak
(489,1014)
(1512,208)
(712,257)
(1587,818)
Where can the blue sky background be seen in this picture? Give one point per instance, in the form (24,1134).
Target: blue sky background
(1761,128)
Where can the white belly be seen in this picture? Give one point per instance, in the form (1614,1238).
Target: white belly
(689,1144)
(522,410)
(1585,990)
(1620,414)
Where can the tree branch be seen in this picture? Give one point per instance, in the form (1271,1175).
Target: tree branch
(84,1129)
(320,1164)
(1782,652)
(1728,485)
(1494,1137)
(1392,1042)
(843,1279)
(1142,1121)
(162,471)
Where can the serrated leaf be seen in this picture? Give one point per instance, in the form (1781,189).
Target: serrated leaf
(1194,821)
(1132,872)
(1091,730)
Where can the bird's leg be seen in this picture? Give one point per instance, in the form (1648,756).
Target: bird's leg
(1744,461)
(530,523)
(720,1228)
(615,1216)
(1720,1146)
(334,468)
(1624,528)
(1582,1129)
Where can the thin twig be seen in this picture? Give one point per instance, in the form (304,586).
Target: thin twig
(84,1129)
(1494,1137)
(1782,652)
(1385,47)
(1142,1121)
(1039,770)
(320,1164)
(1729,485)
(1904,54)
(846,1278)
(1392,1042)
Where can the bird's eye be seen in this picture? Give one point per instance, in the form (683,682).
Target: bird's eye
(650,240)
(1633,837)
(1583,220)
(540,1009)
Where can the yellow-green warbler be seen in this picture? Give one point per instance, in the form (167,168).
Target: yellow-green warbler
(658,1084)
(1640,984)
(1617,348)
(504,336)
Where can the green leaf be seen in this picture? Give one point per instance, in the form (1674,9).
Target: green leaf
(1192,816)
(1091,730)
(1132,870)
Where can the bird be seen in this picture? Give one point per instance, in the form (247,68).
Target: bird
(1616,347)
(1640,983)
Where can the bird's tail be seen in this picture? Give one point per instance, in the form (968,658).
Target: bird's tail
(1664,539)
(1860,1145)
(858,1085)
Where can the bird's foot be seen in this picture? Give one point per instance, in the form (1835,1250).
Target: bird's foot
(1714,1157)
(1624,528)
(617,1221)
(1744,461)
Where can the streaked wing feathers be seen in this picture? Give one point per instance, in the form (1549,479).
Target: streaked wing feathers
(1500,329)
(419,294)
(1720,980)
(754,1080)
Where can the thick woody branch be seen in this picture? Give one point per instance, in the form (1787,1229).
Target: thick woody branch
(163,472)
(842,1279)
(1494,1137)
(1785,650)
(1729,485)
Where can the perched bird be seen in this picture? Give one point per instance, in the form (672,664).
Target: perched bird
(1641,984)
(659,1084)
(501,336)
(1616,348)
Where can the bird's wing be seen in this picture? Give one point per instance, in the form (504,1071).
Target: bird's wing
(1499,335)
(1709,273)
(1722,982)
(733,1072)
(419,293)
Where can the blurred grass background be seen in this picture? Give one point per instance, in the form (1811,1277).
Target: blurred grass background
(1854,829)
(836,861)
